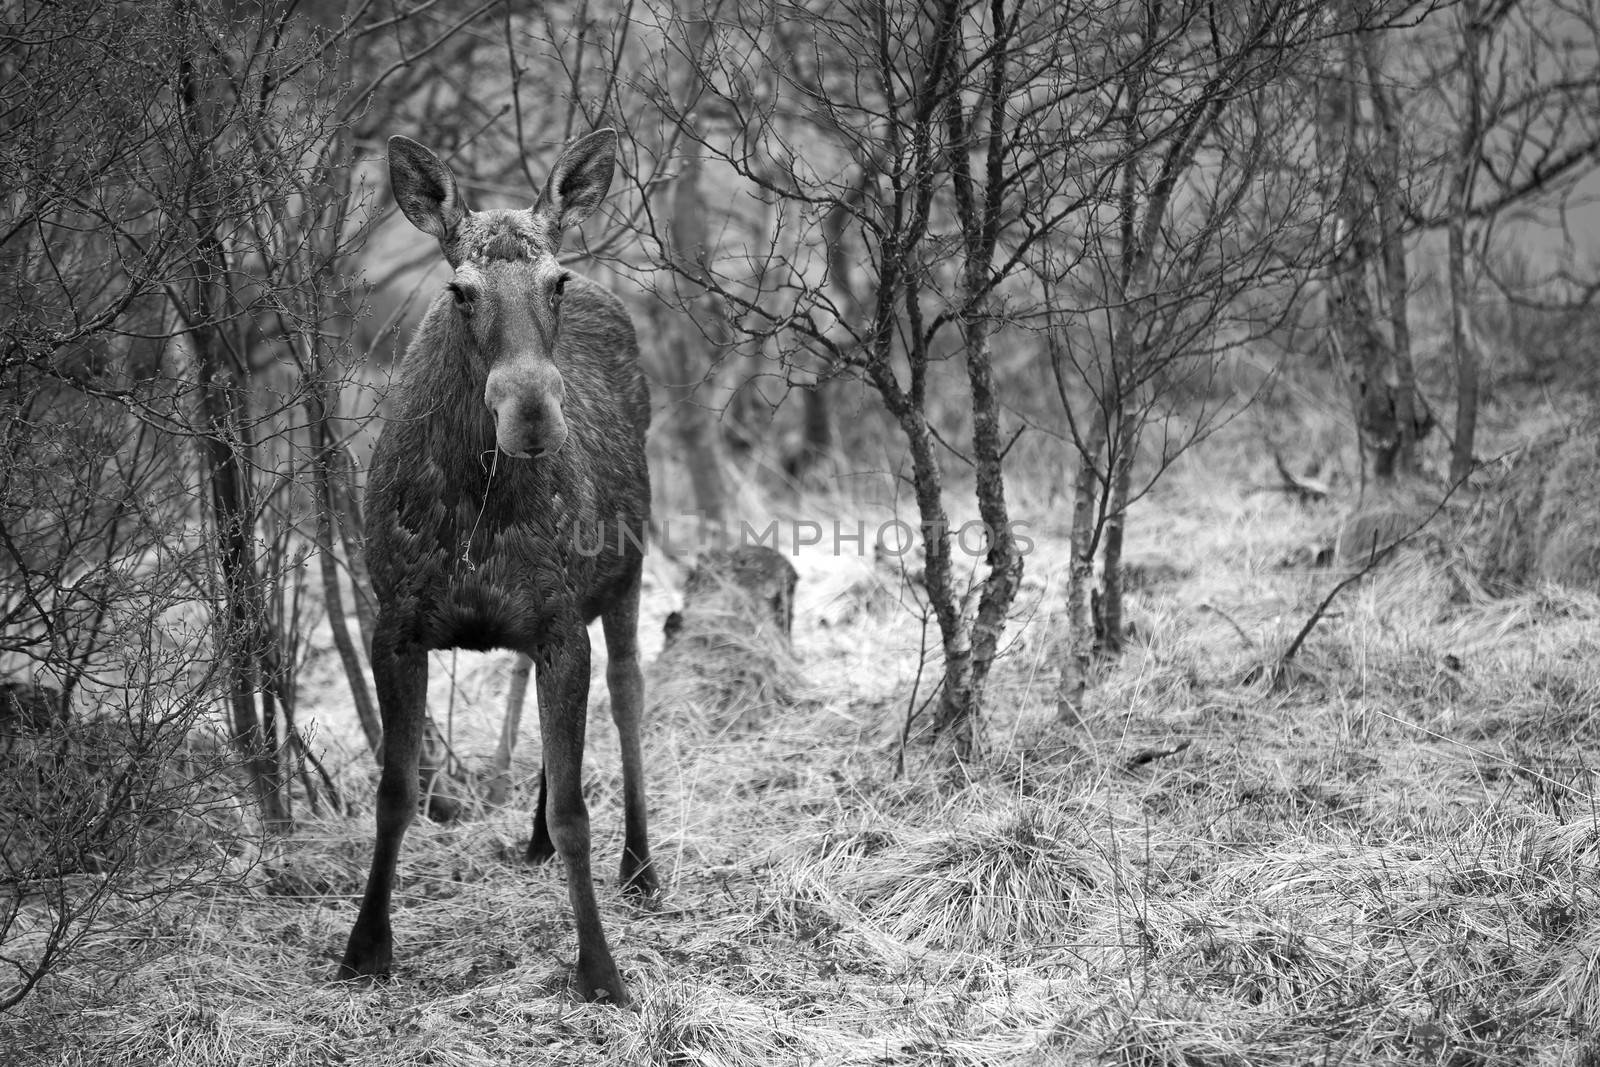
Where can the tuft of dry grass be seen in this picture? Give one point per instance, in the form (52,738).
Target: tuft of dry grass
(702,1023)
(979,880)
(1539,515)
(725,673)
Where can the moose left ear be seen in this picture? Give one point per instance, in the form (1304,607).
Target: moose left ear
(580,179)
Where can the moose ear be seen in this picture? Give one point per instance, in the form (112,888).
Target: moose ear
(424,188)
(580,178)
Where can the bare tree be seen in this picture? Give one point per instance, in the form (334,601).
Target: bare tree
(694,322)
(1505,93)
(996,169)
(1511,103)
(184,244)
(1187,229)
(104,590)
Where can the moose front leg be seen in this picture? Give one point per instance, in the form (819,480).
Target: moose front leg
(562,669)
(402,684)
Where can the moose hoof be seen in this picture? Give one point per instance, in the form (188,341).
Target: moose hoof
(366,961)
(443,809)
(540,849)
(362,971)
(638,879)
(602,985)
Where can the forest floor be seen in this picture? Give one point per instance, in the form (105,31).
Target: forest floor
(1386,855)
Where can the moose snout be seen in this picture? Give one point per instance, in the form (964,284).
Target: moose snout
(526,406)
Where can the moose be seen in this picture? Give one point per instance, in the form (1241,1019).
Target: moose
(518,418)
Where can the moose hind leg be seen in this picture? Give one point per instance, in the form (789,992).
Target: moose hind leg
(625,681)
(402,683)
(563,686)
(540,847)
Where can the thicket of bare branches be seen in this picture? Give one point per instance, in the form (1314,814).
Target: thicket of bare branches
(186,197)
(1190,229)
(882,154)
(1126,190)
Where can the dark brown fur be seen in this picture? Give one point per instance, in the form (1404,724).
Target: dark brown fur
(470,547)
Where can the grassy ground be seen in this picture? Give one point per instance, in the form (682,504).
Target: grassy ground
(1390,860)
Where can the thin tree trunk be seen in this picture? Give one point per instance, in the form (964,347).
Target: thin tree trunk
(1410,424)
(694,423)
(1463,172)
(817,438)
(355,670)
(700,325)
(909,410)
(330,462)
(951,718)
(900,292)
(1122,428)
(819,441)
(1078,652)
(242,635)
(978,205)
(747,424)
(1004,560)
(1111,607)
(1352,335)
(1464,344)
(510,727)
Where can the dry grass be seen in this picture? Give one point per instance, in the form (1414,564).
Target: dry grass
(728,670)
(1395,860)
(1542,512)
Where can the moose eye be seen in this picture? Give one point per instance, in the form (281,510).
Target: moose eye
(462,295)
(556,289)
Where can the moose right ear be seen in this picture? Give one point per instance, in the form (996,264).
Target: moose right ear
(424,188)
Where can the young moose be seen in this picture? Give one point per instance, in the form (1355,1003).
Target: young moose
(518,425)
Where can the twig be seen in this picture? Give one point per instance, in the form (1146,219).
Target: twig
(1150,755)
(1225,617)
(912,710)
(1374,558)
